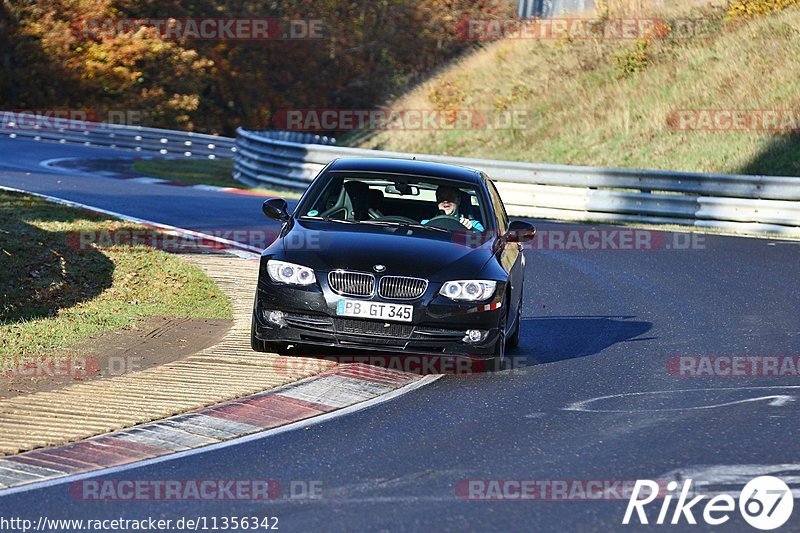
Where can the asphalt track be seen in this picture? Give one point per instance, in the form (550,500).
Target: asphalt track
(596,324)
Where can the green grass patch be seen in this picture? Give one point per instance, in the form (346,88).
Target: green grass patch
(54,294)
(218,172)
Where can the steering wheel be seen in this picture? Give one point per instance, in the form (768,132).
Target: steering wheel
(446,222)
(395,218)
(335,209)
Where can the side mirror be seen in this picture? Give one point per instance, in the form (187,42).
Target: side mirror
(519,231)
(276,209)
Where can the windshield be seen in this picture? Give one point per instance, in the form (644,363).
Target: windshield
(396,199)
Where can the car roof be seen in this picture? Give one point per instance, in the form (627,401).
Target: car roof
(406,166)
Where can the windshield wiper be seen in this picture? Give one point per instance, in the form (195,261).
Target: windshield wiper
(402,224)
(330,219)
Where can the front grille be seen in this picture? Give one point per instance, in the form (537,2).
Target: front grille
(402,288)
(370,327)
(352,283)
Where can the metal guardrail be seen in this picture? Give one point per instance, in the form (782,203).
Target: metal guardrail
(137,138)
(279,157)
(752,204)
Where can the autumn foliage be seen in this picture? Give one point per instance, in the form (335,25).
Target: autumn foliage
(369,51)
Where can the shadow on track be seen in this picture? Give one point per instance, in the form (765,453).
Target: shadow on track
(542,341)
(558,338)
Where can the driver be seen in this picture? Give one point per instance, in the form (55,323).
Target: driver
(448,199)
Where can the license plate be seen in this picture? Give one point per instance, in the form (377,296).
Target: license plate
(375,310)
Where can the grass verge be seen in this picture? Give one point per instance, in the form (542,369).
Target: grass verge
(55,293)
(216,172)
(613,102)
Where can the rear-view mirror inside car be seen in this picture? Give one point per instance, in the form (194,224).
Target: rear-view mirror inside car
(402,189)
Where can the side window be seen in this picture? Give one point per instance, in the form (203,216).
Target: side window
(499,208)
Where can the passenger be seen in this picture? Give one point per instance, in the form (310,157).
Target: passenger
(448,200)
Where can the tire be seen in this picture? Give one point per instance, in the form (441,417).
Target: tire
(513,340)
(280,348)
(498,360)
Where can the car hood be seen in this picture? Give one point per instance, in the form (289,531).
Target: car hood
(404,251)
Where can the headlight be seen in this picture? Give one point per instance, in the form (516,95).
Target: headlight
(289,273)
(468,290)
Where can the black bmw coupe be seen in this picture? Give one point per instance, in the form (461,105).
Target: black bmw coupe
(393,255)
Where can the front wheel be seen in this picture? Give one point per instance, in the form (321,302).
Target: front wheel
(498,359)
(280,348)
(513,340)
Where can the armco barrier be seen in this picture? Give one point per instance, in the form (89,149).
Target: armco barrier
(140,139)
(752,204)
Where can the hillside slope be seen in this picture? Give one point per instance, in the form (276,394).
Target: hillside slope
(613,103)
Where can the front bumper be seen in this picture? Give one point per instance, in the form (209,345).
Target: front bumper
(439,325)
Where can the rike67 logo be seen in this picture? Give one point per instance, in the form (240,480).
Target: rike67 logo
(765,503)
